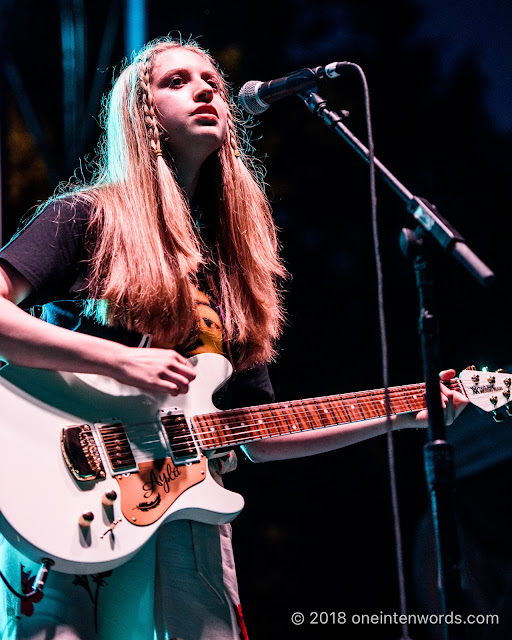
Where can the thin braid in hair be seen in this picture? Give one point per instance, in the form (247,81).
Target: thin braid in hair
(148,105)
(232,135)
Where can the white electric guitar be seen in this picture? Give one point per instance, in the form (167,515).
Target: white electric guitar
(90,468)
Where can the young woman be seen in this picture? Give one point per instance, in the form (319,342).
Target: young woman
(170,252)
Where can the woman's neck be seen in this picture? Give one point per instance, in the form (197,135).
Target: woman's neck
(187,177)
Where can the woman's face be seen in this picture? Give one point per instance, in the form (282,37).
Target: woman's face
(188,103)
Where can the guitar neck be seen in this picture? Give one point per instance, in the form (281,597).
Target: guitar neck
(227,429)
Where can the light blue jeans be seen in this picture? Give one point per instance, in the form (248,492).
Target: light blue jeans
(181,584)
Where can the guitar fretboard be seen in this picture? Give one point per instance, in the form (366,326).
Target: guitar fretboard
(234,427)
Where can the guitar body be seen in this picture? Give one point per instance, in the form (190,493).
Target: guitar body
(43,498)
(90,468)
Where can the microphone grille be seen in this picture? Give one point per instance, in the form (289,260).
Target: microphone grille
(248,98)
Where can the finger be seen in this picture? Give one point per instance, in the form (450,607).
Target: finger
(176,362)
(447,374)
(449,411)
(181,382)
(185,370)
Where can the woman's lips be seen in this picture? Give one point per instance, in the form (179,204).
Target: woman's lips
(206,111)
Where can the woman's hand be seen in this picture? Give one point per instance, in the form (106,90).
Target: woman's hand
(155,370)
(453,402)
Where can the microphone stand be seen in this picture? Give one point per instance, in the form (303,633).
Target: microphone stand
(438,453)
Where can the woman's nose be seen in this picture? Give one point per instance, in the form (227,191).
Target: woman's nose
(204,93)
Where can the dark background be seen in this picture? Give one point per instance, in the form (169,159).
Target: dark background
(317,533)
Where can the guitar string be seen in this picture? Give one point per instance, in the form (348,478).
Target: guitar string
(235,418)
(365,406)
(241,432)
(364,402)
(209,438)
(244,429)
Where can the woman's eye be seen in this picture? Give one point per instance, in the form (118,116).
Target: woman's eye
(176,82)
(213,83)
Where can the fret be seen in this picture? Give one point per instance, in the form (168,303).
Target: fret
(291,422)
(270,419)
(317,413)
(199,423)
(305,412)
(299,417)
(352,407)
(399,401)
(239,425)
(207,431)
(219,429)
(367,405)
(416,397)
(379,399)
(338,410)
(236,426)
(258,422)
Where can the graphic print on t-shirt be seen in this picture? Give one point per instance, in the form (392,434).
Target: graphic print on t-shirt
(208,338)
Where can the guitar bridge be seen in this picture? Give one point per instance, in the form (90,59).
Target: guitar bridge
(81,453)
(182,444)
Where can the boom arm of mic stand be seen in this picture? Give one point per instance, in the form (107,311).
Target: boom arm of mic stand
(423,212)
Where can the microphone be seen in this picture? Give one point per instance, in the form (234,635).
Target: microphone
(255,97)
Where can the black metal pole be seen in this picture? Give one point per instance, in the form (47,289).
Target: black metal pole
(438,453)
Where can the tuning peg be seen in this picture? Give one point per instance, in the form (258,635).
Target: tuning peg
(491,379)
(498,417)
(471,368)
(501,371)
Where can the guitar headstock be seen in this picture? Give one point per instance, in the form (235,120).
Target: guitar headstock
(488,390)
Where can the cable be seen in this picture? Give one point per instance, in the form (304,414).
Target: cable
(384,355)
(39,581)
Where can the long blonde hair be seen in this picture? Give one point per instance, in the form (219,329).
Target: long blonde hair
(147,252)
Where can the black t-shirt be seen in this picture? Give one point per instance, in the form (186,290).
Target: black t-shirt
(50,252)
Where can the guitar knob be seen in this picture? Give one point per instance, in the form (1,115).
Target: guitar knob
(85,520)
(109,498)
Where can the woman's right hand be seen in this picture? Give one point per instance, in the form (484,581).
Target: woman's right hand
(155,370)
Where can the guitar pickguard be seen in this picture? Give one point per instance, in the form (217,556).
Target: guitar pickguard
(147,495)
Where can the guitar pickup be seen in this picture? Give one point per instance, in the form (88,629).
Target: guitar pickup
(117,447)
(182,443)
(81,453)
